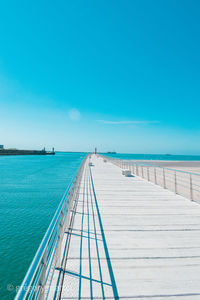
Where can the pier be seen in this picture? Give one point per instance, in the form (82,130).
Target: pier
(118,237)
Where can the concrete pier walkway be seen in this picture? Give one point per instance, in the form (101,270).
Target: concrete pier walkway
(131,239)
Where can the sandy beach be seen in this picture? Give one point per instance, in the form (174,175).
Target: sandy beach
(187,166)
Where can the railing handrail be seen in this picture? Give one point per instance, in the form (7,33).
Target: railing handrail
(41,250)
(24,288)
(174,170)
(163,178)
(151,165)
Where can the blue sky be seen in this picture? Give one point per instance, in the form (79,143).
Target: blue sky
(119,75)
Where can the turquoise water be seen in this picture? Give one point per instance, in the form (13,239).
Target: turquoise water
(154,156)
(31,188)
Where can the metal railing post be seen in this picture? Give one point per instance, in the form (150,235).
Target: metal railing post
(175,183)
(155,178)
(148,174)
(191,190)
(43,277)
(58,258)
(164,181)
(142,172)
(133,169)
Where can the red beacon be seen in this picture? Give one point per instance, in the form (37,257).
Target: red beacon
(95,151)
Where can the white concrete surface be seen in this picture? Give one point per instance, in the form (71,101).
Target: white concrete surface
(152,236)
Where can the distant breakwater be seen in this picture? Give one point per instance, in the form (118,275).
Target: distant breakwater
(25,152)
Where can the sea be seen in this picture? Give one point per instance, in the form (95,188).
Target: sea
(31,188)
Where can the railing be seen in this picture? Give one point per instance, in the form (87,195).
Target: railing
(37,282)
(183,183)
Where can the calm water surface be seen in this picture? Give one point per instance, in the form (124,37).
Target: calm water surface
(31,188)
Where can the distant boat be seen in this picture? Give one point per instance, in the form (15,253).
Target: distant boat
(168,154)
(111,152)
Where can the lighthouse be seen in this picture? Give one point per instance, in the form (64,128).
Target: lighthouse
(95,151)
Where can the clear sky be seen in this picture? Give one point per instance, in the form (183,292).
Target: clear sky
(119,75)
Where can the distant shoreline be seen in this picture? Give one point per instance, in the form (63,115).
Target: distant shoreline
(8,152)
